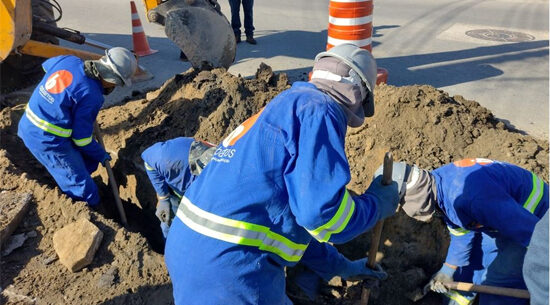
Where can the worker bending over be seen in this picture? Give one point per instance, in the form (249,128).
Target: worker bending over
(174,164)
(277,181)
(59,119)
(171,167)
(491,209)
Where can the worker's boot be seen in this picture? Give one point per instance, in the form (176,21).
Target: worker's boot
(238,38)
(250,39)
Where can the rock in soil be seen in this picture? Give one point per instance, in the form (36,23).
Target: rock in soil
(76,244)
(13,207)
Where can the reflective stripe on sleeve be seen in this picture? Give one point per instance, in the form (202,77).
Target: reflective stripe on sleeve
(82,142)
(536,194)
(148,167)
(458,231)
(48,127)
(457,297)
(238,232)
(339,222)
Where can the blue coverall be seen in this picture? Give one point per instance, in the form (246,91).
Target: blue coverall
(535,266)
(490,209)
(167,166)
(273,184)
(58,123)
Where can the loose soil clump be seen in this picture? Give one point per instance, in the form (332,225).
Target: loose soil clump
(419,124)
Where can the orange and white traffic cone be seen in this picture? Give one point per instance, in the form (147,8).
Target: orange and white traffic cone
(141,46)
(350,21)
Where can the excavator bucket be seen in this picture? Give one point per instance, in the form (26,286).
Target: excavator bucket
(199,29)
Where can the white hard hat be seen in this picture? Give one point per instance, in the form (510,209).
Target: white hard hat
(118,66)
(361,61)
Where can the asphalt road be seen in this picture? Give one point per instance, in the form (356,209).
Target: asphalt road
(449,44)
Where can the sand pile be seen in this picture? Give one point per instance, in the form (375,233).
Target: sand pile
(419,124)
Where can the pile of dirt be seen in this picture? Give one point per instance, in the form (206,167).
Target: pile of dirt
(419,124)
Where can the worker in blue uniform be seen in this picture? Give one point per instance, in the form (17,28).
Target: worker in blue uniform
(171,167)
(59,118)
(174,164)
(275,183)
(491,209)
(535,265)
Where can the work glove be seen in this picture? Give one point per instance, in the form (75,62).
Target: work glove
(358,270)
(106,157)
(163,210)
(444,275)
(166,207)
(387,195)
(399,171)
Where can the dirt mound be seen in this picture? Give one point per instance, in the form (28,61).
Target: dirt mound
(419,124)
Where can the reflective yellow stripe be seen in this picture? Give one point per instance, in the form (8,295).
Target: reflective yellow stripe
(51,128)
(338,222)
(238,232)
(536,194)
(457,297)
(148,167)
(458,231)
(82,142)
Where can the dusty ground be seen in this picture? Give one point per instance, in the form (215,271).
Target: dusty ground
(419,124)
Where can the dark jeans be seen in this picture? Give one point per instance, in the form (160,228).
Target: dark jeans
(236,19)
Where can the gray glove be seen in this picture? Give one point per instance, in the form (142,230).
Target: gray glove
(444,275)
(163,210)
(399,175)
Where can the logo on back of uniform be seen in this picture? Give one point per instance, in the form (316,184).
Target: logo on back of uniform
(55,84)
(224,153)
(472,162)
(58,81)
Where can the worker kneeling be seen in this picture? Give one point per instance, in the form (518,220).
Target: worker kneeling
(491,209)
(59,119)
(277,181)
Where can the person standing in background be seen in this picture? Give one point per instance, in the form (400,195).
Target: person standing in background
(236,19)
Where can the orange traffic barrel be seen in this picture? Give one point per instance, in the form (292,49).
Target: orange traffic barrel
(350,21)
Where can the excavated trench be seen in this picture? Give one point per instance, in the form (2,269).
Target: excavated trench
(428,128)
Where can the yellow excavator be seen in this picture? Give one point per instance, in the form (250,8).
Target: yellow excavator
(29,34)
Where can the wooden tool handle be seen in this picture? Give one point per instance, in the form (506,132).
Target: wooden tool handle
(114,185)
(377,231)
(510,292)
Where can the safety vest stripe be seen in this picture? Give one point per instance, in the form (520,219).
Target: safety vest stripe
(339,222)
(536,194)
(238,232)
(148,167)
(48,127)
(82,142)
(457,297)
(458,231)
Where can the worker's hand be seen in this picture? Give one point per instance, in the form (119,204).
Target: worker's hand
(163,210)
(358,271)
(398,175)
(106,157)
(387,195)
(444,275)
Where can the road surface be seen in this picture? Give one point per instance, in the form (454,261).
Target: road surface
(443,43)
